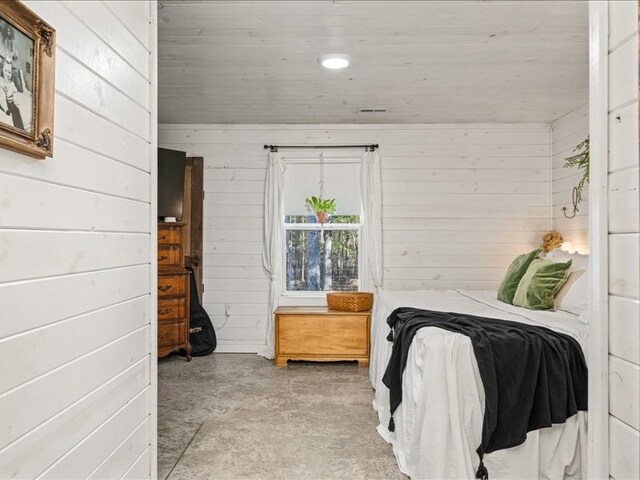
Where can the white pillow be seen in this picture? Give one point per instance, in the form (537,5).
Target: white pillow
(573,297)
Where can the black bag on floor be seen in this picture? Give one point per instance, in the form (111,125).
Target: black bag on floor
(202,336)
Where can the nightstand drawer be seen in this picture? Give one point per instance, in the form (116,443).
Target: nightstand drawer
(169,255)
(172,334)
(172,285)
(169,235)
(172,309)
(322,335)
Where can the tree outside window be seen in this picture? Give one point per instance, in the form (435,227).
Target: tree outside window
(315,266)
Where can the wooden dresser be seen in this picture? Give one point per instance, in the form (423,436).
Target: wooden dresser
(173,291)
(320,334)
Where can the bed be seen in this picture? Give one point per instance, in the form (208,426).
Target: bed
(438,425)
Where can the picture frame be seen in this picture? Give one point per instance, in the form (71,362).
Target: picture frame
(27,81)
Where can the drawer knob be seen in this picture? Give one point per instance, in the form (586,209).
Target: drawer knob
(165,288)
(162,237)
(165,311)
(162,257)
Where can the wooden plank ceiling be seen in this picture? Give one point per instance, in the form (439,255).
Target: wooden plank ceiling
(425,62)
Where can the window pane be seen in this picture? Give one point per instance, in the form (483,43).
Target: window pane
(316,266)
(313,219)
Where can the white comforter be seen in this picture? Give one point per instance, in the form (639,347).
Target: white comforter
(439,422)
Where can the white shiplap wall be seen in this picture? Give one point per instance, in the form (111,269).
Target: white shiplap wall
(567,132)
(459,202)
(624,242)
(76,244)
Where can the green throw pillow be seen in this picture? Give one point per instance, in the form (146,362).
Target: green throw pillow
(514,274)
(540,284)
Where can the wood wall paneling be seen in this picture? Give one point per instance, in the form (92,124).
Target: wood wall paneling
(624,241)
(622,88)
(129,14)
(80,126)
(460,201)
(81,461)
(567,132)
(116,33)
(139,468)
(75,258)
(23,409)
(624,279)
(623,151)
(623,450)
(75,80)
(103,327)
(623,201)
(126,455)
(94,291)
(624,328)
(624,391)
(84,44)
(72,425)
(623,21)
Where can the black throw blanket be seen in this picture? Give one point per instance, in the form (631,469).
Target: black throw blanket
(533,377)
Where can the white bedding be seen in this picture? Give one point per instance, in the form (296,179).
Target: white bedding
(439,422)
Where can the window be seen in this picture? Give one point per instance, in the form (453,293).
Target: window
(312,265)
(320,258)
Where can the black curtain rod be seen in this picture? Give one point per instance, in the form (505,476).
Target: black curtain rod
(275,148)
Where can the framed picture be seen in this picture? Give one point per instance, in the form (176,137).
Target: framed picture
(27,81)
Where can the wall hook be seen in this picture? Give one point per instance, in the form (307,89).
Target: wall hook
(574,201)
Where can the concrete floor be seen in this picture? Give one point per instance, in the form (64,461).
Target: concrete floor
(233,416)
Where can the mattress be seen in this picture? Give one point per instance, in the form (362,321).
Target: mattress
(439,422)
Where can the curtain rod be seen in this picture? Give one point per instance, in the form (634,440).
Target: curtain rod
(275,148)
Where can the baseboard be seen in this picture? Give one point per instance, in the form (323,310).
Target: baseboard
(238,347)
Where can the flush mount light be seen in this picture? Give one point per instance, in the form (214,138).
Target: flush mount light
(335,61)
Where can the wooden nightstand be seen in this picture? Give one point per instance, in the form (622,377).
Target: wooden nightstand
(320,334)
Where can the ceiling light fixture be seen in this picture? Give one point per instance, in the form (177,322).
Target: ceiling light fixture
(335,61)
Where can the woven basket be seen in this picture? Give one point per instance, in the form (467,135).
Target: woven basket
(350,301)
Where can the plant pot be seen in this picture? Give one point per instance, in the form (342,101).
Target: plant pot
(323,217)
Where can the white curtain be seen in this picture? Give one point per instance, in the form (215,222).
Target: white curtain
(273,238)
(371,188)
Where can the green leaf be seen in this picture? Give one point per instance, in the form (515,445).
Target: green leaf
(581,162)
(320,205)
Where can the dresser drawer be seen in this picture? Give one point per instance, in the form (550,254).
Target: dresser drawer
(172,285)
(169,255)
(169,234)
(322,335)
(172,334)
(172,309)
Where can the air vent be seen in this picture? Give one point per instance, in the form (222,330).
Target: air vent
(373,110)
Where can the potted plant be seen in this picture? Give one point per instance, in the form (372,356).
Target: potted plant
(322,207)
(581,161)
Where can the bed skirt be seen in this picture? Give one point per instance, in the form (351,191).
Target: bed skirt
(438,425)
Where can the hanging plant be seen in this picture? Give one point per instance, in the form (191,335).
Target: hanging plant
(322,207)
(581,161)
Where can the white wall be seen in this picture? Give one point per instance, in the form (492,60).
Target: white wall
(567,132)
(77,321)
(624,241)
(459,203)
